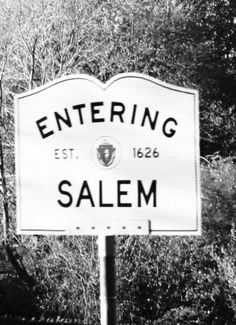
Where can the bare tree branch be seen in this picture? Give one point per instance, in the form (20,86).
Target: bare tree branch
(6,217)
(33,62)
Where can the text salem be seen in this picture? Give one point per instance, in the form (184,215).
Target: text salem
(146,195)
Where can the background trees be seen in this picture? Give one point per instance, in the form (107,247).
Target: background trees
(187,43)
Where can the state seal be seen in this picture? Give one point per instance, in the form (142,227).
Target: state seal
(106,152)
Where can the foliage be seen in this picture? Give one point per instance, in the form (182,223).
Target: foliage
(17,298)
(219,200)
(66,270)
(186,278)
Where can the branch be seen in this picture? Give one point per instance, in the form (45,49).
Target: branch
(15,260)
(4,193)
(2,167)
(33,62)
(19,267)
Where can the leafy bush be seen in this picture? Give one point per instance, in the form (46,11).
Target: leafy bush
(66,271)
(16,298)
(161,276)
(218,199)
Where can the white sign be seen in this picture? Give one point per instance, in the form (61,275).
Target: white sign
(114,158)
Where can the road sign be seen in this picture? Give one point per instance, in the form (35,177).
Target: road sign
(114,158)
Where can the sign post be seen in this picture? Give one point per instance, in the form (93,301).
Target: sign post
(120,158)
(106,249)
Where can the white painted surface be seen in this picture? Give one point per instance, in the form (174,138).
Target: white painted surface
(41,163)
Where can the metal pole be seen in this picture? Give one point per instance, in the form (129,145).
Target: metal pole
(106,249)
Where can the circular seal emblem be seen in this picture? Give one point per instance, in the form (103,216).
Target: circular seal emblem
(106,152)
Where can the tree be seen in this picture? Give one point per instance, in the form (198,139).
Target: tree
(211,31)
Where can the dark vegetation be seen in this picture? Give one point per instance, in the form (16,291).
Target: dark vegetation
(185,280)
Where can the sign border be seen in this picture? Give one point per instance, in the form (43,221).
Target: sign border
(104,86)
